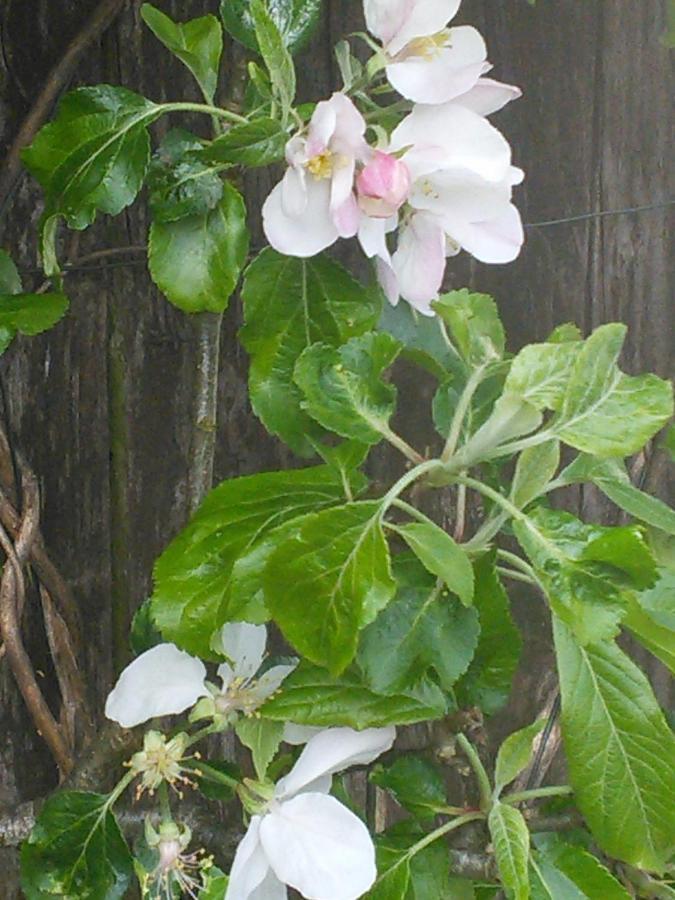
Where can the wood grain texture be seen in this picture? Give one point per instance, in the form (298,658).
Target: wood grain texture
(101,405)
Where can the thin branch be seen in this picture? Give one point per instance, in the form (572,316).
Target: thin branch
(103,16)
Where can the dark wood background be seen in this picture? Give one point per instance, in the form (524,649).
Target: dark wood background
(101,406)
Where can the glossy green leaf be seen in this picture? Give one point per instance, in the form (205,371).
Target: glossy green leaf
(328,579)
(274,51)
(408,873)
(311,696)
(215,779)
(474,325)
(295,19)
(422,628)
(31,314)
(620,751)
(416,783)
(549,883)
(540,373)
(76,850)
(94,155)
(487,683)
(290,304)
(196,261)
(440,555)
(563,334)
(198,44)
(180,183)
(192,576)
(144,633)
(511,840)
(422,338)
(605,412)
(394,882)
(343,387)
(515,754)
(535,469)
(10,280)
(585,871)
(262,737)
(258,143)
(659,601)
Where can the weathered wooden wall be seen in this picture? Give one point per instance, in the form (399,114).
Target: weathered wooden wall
(101,405)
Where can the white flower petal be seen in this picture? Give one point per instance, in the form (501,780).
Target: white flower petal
(496,241)
(424,19)
(271,681)
(462,195)
(270,888)
(162,681)
(332,751)
(350,128)
(488,96)
(452,71)
(388,281)
(385,17)
(294,192)
(250,866)
(244,645)
(321,128)
(316,845)
(226,675)
(419,262)
(373,238)
(306,234)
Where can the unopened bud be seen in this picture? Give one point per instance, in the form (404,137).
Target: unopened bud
(383,185)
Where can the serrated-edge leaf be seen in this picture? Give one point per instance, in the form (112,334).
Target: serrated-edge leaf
(515,753)
(511,840)
(441,555)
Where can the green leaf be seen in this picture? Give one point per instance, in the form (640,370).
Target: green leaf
(487,683)
(198,44)
(420,629)
(215,779)
(474,324)
(10,280)
(511,417)
(295,19)
(196,261)
(290,304)
(31,314)
(215,887)
(393,883)
(620,751)
(511,841)
(311,696)
(540,373)
(565,333)
(258,143)
(440,555)
(275,53)
(416,784)
(515,754)
(549,883)
(328,579)
(657,638)
(409,874)
(638,504)
(76,850)
(262,737)
(584,870)
(535,468)
(144,633)
(192,576)
(659,602)
(605,412)
(181,184)
(343,388)
(423,339)
(94,155)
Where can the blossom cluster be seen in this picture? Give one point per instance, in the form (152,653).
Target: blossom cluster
(443,178)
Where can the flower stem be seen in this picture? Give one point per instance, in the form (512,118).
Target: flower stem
(402,446)
(537,793)
(164,804)
(463,407)
(484,785)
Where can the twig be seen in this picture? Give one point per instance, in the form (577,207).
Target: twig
(103,16)
(200,477)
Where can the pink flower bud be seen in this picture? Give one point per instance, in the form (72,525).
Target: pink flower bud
(383,185)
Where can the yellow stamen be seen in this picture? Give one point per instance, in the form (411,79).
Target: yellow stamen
(428,47)
(321,166)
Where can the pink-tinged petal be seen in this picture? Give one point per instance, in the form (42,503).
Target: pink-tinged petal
(451,137)
(250,866)
(304,235)
(296,151)
(383,185)
(488,96)
(321,128)
(162,681)
(350,127)
(388,281)
(334,750)
(385,17)
(419,262)
(319,847)
(244,645)
(446,74)
(373,238)
(294,192)
(497,241)
(461,194)
(347,217)
(424,19)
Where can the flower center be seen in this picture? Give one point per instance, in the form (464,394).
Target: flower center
(430,47)
(321,166)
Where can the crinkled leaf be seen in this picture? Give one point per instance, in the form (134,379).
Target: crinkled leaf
(540,373)
(311,696)
(474,325)
(31,314)
(196,261)
(274,51)
(605,412)
(295,19)
(198,44)
(535,468)
(620,751)
(515,754)
(93,156)
(76,850)
(564,333)
(290,304)
(416,783)
(181,184)
(422,628)
(487,683)
(343,387)
(192,576)
(262,737)
(440,555)
(328,579)
(258,143)
(511,840)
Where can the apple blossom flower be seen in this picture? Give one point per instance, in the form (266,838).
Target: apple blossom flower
(427,61)
(315,203)
(302,837)
(165,680)
(175,869)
